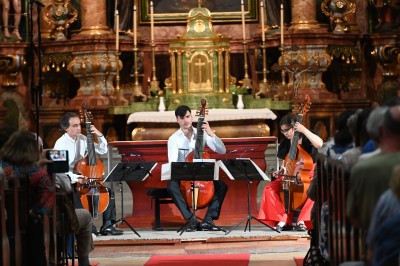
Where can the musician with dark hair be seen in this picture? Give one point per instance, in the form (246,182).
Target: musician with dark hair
(76,144)
(180,144)
(272,209)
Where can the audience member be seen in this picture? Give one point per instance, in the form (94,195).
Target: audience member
(369,178)
(342,140)
(383,239)
(357,125)
(19,156)
(374,123)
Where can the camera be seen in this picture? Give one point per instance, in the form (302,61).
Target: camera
(59,161)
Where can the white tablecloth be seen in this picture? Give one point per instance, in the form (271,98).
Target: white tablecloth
(213,115)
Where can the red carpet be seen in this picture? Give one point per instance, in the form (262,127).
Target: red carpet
(298,260)
(203,259)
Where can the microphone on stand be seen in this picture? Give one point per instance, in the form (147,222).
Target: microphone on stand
(136,155)
(246,150)
(230,152)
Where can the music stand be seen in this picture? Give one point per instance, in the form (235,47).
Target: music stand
(128,171)
(193,171)
(244,169)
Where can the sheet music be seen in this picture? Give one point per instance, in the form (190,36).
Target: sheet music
(151,170)
(221,164)
(166,169)
(166,172)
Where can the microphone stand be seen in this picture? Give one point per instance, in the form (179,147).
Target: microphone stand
(36,90)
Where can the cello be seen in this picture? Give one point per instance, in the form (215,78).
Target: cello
(298,164)
(198,193)
(93,195)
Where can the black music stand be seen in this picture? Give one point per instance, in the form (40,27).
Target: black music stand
(244,169)
(193,171)
(128,171)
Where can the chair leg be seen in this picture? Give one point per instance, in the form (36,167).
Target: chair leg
(157,214)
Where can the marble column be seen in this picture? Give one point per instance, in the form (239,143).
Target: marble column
(93,17)
(304,15)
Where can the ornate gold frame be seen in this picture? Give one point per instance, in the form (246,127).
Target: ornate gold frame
(170,16)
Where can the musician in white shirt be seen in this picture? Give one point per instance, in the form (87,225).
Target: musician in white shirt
(180,144)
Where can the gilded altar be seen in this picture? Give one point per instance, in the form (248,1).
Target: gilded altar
(200,63)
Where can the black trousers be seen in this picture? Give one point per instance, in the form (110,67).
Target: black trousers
(214,207)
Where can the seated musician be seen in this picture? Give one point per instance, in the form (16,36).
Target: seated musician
(76,144)
(180,144)
(272,209)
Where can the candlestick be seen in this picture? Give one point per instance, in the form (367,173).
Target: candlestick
(116,30)
(262,21)
(282,25)
(151,21)
(134,27)
(243,21)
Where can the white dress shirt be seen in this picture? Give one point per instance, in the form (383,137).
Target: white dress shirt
(179,146)
(78,150)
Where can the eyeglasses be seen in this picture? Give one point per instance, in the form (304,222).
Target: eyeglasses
(283,131)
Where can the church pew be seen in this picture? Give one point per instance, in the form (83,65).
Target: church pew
(13,222)
(26,237)
(5,244)
(345,241)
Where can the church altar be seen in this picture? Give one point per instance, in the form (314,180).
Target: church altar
(226,123)
(235,203)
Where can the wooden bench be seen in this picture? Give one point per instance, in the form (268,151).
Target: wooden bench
(159,196)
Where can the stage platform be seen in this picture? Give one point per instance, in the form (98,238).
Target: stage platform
(260,240)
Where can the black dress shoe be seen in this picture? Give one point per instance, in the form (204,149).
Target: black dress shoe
(111,231)
(208,226)
(283,228)
(278,228)
(94,230)
(193,224)
(300,227)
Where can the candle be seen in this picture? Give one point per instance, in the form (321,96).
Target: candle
(116,30)
(262,21)
(134,26)
(151,21)
(282,25)
(243,21)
